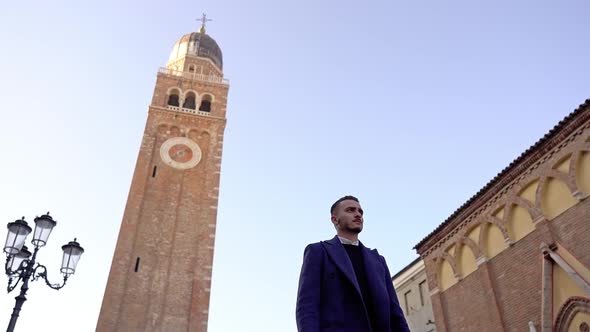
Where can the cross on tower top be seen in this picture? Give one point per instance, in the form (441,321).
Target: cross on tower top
(203,21)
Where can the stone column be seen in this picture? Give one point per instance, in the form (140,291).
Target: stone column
(547,295)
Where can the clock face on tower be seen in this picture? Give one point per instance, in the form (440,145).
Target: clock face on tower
(180,153)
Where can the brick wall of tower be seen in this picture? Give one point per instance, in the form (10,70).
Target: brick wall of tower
(168,223)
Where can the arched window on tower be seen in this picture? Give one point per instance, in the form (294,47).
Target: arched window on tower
(191,69)
(189,101)
(205,103)
(173,99)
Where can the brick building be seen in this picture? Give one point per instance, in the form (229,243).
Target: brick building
(516,256)
(160,276)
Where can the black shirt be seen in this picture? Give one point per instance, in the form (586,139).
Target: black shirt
(356,258)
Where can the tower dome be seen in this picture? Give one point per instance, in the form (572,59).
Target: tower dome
(197,44)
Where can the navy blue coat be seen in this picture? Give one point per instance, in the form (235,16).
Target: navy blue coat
(329,298)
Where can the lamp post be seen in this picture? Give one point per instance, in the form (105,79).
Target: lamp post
(21,265)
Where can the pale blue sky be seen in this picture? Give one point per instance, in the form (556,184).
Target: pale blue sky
(412,106)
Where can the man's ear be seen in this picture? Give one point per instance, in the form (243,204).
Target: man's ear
(334,220)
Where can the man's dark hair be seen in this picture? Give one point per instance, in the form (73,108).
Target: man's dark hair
(345,198)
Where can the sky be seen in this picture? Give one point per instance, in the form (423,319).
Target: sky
(412,106)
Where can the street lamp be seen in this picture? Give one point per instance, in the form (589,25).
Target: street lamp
(21,265)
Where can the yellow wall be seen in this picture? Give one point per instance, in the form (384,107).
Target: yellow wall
(499,213)
(474,234)
(494,241)
(556,198)
(466,261)
(446,276)
(530,191)
(583,271)
(564,164)
(520,223)
(563,288)
(583,172)
(451,250)
(579,318)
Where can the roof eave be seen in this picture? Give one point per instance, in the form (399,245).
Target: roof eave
(507,175)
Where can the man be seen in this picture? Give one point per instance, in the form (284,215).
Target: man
(345,286)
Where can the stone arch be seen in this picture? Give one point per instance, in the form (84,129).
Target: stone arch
(173,88)
(173,97)
(206,102)
(490,220)
(211,95)
(552,198)
(574,164)
(573,306)
(530,207)
(185,92)
(442,279)
(475,248)
(525,191)
(497,210)
(473,233)
(190,100)
(494,237)
(558,165)
(569,181)
(519,218)
(554,175)
(466,255)
(580,171)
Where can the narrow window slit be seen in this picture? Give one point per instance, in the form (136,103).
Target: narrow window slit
(137,265)
(154,172)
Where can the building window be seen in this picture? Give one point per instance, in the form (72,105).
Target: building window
(189,101)
(191,68)
(422,287)
(205,103)
(173,99)
(407,296)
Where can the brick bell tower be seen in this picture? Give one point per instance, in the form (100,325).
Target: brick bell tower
(160,276)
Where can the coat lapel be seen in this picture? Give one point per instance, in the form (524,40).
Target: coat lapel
(372,268)
(338,254)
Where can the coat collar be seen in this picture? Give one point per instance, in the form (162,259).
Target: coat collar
(336,251)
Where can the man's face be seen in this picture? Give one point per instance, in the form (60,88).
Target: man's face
(348,217)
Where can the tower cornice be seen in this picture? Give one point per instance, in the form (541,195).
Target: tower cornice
(218,80)
(187,112)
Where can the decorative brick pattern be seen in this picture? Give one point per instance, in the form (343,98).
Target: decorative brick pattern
(506,200)
(504,293)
